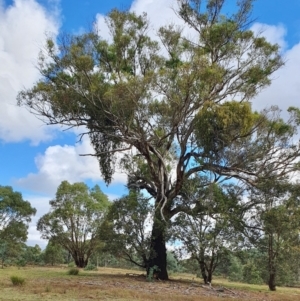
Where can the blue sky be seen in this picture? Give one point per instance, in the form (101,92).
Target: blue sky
(35,158)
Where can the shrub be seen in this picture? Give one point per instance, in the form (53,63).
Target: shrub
(90,267)
(16,280)
(21,262)
(73,271)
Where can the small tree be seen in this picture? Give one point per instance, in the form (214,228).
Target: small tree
(31,255)
(53,254)
(15,214)
(276,221)
(127,230)
(74,220)
(208,226)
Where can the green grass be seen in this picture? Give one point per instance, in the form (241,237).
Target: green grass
(17,280)
(73,271)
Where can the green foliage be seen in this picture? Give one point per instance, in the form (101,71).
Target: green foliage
(53,254)
(173,264)
(31,255)
(73,271)
(219,125)
(74,220)
(252,274)
(90,267)
(15,214)
(17,280)
(235,271)
(210,219)
(152,273)
(125,230)
(21,262)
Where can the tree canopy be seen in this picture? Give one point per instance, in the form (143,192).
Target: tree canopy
(15,214)
(127,230)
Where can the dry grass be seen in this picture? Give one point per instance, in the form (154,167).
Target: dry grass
(46,283)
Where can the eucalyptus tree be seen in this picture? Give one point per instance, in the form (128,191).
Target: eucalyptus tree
(74,220)
(208,224)
(15,215)
(53,253)
(143,101)
(277,224)
(127,229)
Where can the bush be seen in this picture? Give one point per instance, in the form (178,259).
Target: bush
(73,271)
(16,280)
(90,267)
(21,262)
(235,270)
(251,274)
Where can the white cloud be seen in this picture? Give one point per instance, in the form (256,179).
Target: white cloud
(41,204)
(284,90)
(275,34)
(159,13)
(60,163)
(23,28)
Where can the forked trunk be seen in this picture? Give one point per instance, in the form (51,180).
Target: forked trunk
(203,272)
(158,258)
(80,261)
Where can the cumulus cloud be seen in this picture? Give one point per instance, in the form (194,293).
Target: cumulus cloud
(159,13)
(284,90)
(275,34)
(60,163)
(23,28)
(41,204)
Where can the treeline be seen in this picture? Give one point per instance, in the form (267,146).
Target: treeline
(248,236)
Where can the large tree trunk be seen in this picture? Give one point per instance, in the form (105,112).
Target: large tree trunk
(158,255)
(79,260)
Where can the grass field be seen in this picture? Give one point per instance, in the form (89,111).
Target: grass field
(47,283)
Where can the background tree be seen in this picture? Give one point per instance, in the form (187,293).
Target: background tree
(137,94)
(207,227)
(31,255)
(15,215)
(273,225)
(10,252)
(53,253)
(127,229)
(74,219)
